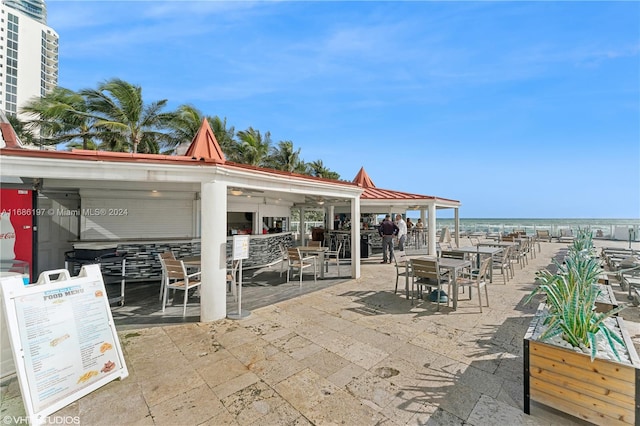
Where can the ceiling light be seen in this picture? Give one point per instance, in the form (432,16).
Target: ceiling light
(236,191)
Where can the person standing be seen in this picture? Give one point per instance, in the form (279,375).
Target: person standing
(402,232)
(387,231)
(420,237)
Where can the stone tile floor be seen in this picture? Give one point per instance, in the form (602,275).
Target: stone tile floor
(352,353)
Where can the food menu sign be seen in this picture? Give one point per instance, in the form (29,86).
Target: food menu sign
(240,247)
(63,338)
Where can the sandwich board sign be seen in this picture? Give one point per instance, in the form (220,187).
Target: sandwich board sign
(63,338)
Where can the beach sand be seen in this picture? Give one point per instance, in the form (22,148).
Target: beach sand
(354,354)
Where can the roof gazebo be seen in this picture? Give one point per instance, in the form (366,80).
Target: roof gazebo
(376,200)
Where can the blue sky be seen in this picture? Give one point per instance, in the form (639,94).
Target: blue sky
(517,109)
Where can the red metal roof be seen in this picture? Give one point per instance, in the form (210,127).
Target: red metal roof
(205,150)
(9,136)
(362,179)
(205,146)
(372,193)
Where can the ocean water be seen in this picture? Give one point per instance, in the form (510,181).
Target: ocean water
(615,229)
(604,228)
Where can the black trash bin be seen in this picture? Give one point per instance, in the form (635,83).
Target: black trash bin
(364,246)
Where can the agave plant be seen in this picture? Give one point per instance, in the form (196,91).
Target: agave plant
(583,243)
(572,314)
(571,295)
(581,270)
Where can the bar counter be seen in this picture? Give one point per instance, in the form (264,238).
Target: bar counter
(142,255)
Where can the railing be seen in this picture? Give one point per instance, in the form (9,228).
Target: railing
(612,231)
(601,228)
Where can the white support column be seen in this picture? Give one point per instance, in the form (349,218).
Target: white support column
(197,214)
(303,223)
(432,230)
(355,238)
(213,290)
(457,225)
(256,226)
(423,218)
(331,216)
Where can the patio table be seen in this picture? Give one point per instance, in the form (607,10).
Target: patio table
(453,266)
(499,244)
(318,251)
(480,250)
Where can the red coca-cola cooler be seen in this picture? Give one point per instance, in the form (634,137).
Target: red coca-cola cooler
(16,233)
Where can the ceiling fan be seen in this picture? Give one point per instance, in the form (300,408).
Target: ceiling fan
(244,191)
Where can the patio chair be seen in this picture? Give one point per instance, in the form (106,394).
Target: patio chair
(457,255)
(285,257)
(566,236)
(162,256)
(328,240)
(314,243)
(333,255)
(345,239)
(629,276)
(533,242)
(479,280)
(452,254)
(519,253)
(177,278)
(296,261)
(426,273)
(403,269)
(502,261)
(543,235)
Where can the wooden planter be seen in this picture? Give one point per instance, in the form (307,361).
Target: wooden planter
(602,392)
(608,300)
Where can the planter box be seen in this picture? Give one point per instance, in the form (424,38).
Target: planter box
(602,392)
(607,300)
(603,279)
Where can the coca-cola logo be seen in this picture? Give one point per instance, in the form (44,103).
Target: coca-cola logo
(8,236)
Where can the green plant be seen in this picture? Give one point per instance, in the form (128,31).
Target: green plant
(583,243)
(571,295)
(571,313)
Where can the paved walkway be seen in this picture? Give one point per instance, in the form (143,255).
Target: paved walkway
(354,353)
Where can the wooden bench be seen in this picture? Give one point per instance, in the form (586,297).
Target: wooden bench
(543,235)
(566,235)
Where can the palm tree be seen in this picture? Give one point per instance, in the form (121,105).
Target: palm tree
(283,157)
(62,116)
(83,145)
(184,125)
(252,147)
(125,116)
(317,168)
(187,121)
(225,136)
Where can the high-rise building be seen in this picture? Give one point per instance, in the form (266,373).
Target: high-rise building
(35,9)
(28,54)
